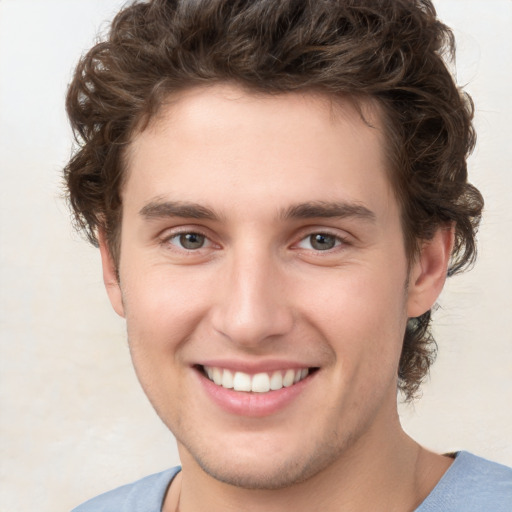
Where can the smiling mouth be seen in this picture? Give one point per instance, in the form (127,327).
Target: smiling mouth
(263,382)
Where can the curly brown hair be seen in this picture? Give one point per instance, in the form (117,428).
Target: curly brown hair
(389,50)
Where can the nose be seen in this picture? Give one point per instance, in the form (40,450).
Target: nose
(252,305)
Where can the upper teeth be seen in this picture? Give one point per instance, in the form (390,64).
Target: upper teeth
(259,383)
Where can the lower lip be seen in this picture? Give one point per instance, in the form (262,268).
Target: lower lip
(253,404)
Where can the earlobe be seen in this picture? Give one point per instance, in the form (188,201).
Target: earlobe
(110,277)
(428,273)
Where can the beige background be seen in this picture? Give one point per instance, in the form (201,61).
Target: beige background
(73,421)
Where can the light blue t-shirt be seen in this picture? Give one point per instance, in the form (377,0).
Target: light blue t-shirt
(471,484)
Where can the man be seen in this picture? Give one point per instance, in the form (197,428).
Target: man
(278,191)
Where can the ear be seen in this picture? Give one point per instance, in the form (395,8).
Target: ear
(110,277)
(428,273)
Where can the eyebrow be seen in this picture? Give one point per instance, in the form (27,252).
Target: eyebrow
(159,209)
(328,209)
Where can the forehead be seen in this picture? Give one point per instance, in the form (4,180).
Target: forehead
(288,148)
(199,108)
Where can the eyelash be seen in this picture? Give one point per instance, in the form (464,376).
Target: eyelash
(338,241)
(167,241)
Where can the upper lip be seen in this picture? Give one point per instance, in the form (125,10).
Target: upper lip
(253,367)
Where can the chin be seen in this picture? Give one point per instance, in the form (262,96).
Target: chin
(257,470)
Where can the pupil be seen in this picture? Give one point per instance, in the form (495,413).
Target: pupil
(322,242)
(192,240)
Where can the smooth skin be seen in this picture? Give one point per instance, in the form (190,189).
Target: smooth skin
(260,229)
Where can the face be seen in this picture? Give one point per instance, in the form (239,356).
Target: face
(263,280)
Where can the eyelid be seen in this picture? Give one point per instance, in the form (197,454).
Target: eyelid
(168,234)
(206,242)
(341,239)
(164,238)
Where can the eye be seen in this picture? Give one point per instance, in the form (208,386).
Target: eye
(189,241)
(320,242)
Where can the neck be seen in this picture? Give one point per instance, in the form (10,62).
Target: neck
(379,472)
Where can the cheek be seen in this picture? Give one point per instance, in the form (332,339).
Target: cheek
(162,310)
(160,317)
(362,315)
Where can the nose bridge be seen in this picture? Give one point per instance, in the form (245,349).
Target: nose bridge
(253,306)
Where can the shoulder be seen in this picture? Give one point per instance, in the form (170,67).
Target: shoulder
(145,495)
(472,484)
